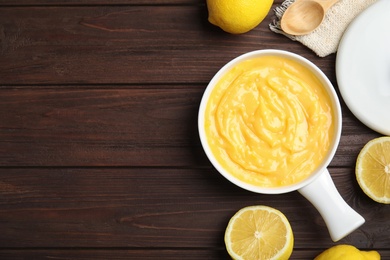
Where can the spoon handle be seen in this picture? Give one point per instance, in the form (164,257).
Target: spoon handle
(326,4)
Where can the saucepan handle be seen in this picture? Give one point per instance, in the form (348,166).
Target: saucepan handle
(339,217)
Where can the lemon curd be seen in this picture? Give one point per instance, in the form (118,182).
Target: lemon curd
(269,121)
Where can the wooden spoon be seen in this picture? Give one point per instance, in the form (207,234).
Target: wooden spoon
(303,16)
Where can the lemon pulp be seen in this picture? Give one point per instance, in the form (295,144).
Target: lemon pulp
(259,232)
(373,169)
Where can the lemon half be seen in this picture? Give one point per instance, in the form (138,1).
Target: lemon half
(259,232)
(373,169)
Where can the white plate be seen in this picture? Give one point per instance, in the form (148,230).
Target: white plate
(363,67)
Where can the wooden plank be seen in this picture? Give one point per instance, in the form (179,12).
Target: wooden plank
(169,254)
(98,2)
(159,208)
(59,45)
(103,2)
(120,127)
(60,126)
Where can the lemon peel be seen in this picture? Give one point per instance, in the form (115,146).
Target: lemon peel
(347,252)
(238,17)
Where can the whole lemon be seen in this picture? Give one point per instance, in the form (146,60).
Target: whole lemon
(238,16)
(347,252)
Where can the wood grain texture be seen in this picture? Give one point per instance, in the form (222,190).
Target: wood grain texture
(169,254)
(99,150)
(99,2)
(152,207)
(112,45)
(153,126)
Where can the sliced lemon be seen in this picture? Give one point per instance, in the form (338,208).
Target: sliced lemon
(373,169)
(259,232)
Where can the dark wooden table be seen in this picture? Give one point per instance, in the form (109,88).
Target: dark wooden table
(99,151)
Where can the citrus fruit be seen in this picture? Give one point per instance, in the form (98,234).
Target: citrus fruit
(347,252)
(259,232)
(373,169)
(238,16)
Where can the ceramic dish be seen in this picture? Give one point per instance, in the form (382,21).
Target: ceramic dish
(363,67)
(318,187)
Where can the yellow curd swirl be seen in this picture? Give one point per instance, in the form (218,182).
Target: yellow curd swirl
(269,122)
